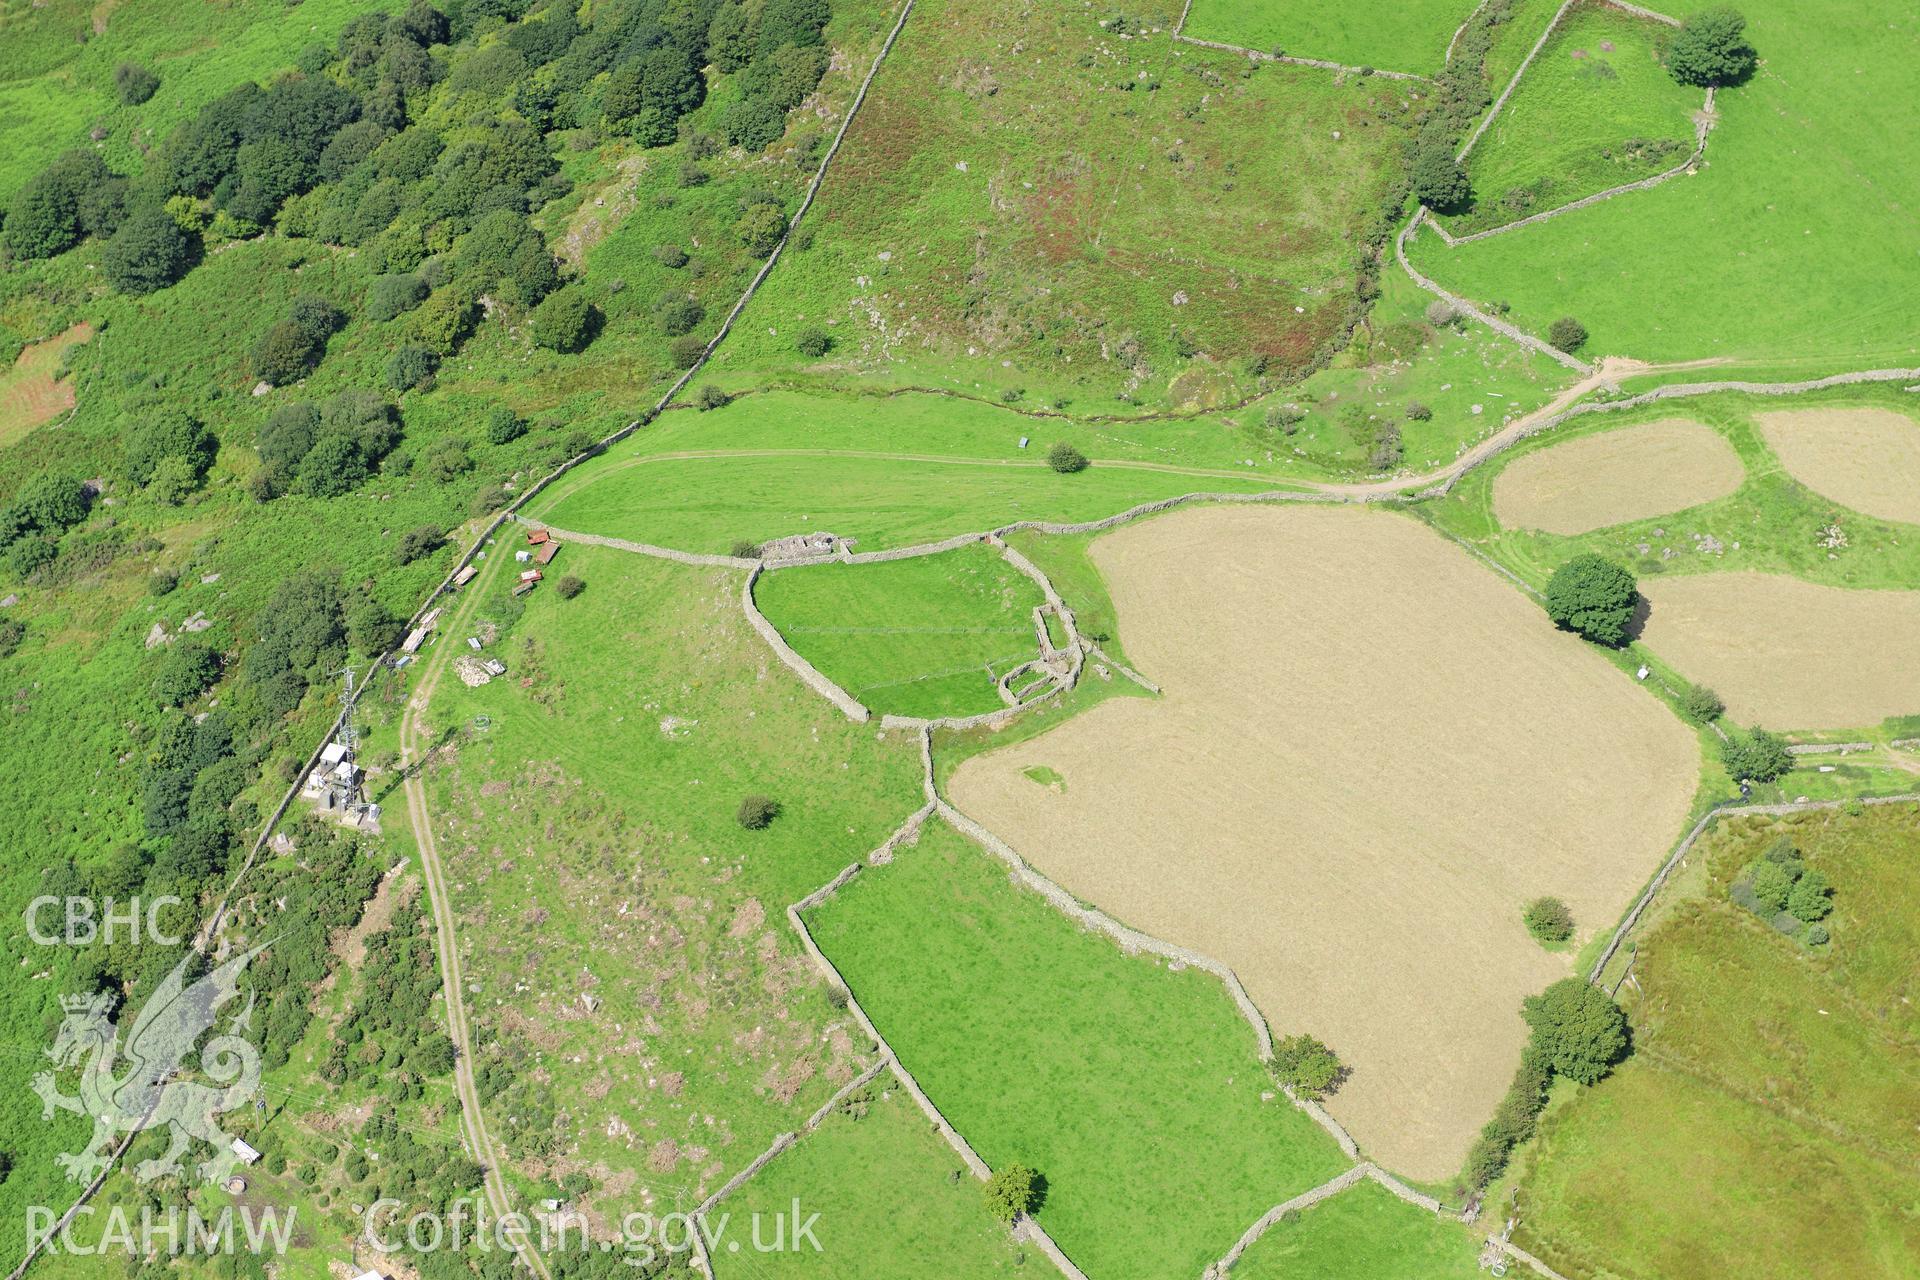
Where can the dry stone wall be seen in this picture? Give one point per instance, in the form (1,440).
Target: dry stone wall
(1267,1220)
(848,704)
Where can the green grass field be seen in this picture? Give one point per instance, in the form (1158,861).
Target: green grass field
(708,504)
(1410,36)
(922,637)
(1596,109)
(893,1201)
(1770,1095)
(1132,1089)
(1028,203)
(1363,1233)
(1063,558)
(887,472)
(1795,244)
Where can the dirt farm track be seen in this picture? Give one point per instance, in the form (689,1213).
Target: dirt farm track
(1370,753)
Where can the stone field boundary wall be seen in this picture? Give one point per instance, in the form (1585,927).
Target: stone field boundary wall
(1026,1229)
(1702,126)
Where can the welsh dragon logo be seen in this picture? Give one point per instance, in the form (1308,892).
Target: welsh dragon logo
(137,1086)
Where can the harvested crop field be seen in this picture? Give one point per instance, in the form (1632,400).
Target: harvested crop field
(1867,459)
(1360,770)
(1790,654)
(1617,476)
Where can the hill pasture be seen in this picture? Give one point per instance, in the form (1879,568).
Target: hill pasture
(885,1188)
(1131,1086)
(1630,474)
(1363,1233)
(1034,201)
(1358,774)
(1790,654)
(1866,459)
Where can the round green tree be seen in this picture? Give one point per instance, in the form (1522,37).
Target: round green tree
(1701,704)
(1548,920)
(1013,1192)
(1567,334)
(1757,757)
(1594,597)
(1066,459)
(148,252)
(1438,180)
(1581,1031)
(1307,1066)
(566,321)
(1711,49)
(757,812)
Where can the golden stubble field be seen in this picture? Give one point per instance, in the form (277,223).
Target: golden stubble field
(1790,654)
(1629,474)
(1370,753)
(1867,459)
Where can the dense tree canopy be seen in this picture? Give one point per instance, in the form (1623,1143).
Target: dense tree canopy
(1711,49)
(1582,1032)
(1593,596)
(148,252)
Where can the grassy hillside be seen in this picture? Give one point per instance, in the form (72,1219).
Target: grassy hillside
(890,1194)
(1794,245)
(1032,202)
(1596,109)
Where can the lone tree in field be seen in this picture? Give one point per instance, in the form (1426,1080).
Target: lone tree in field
(1567,334)
(1700,704)
(1594,597)
(570,586)
(757,812)
(1548,920)
(1013,1192)
(1066,459)
(1307,1066)
(1758,757)
(566,321)
(1438,180)
(1711,50)
(1581,1031)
